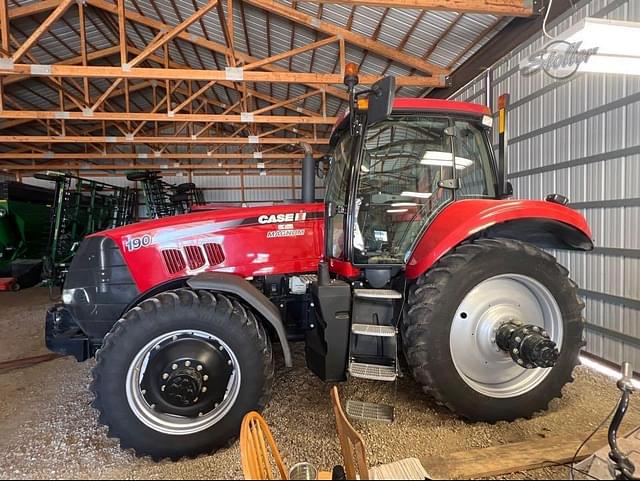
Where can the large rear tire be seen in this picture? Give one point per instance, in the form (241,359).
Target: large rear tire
(454,311)
(177,374)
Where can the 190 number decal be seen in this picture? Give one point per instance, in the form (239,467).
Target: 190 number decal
(139,242)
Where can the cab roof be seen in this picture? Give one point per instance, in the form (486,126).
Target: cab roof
(429,105)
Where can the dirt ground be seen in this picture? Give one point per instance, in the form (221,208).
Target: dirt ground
(49,431)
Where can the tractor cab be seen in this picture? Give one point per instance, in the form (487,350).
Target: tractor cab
(394,165)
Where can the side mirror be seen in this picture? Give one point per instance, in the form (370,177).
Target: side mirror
(508,190)
(381,99)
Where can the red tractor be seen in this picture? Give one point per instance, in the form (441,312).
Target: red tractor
(418,252)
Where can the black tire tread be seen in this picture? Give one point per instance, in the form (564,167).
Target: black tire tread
(185,298)
(430,288)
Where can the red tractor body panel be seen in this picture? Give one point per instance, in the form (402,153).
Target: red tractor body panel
(466,218)
(248,242)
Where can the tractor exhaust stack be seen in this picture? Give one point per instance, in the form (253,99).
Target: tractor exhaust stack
(308,175)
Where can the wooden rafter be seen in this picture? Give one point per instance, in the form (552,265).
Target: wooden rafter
(71,139)
(510,8)
(42,28)
(73,71)
(349,36)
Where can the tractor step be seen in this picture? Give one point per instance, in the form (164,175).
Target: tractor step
(377,294)
(374,331)
(373,372)
(370,412)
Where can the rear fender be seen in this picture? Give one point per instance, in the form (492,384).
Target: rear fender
(241,288)
(545,224)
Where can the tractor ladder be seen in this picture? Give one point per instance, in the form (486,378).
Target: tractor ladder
(374,348)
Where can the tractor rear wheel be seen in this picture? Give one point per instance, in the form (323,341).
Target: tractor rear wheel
(455,310)
(178,373)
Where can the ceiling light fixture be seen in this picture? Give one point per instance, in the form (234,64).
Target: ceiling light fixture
(616,43)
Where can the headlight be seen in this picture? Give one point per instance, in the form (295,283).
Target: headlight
(67,296)
(75,296)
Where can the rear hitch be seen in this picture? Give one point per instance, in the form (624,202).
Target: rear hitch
(529,346)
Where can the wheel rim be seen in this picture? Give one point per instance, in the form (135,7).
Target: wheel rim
(179,394)
(478,359)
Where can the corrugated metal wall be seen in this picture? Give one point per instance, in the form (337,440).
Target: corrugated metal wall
(581,137)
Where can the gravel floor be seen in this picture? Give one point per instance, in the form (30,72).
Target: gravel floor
(49,431)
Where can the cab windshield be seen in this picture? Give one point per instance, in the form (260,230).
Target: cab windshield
(398,193)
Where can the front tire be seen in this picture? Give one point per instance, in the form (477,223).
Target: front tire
(452,316)
(177,374)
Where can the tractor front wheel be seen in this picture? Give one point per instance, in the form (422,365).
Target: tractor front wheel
(178,373)
(455,312)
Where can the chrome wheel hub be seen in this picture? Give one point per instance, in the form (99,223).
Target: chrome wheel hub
(478,358)
(183,382)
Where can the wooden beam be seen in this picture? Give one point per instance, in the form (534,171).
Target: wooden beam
(74,71)
(203,42)
(122,33)
(4,28)
(507,8)
(291,53)
(98,54)
(231,85)
(69,139)
(171,34)
(57,156)
(353,38)
(164,117)
(138,166)
(42,28)
(510,458)
(33,9)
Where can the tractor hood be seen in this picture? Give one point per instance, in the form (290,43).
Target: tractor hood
(255,241)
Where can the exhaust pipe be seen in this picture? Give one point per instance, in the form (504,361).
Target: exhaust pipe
(308,175)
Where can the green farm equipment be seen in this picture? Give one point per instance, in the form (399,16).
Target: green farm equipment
(81,207)
(163,199)
(25,216)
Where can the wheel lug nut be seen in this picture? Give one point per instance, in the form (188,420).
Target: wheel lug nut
(174,367)
(163,388)
(204,389)
(144,392)
(200,414)
(153,406)
(221,348)
(205,378)
(199,368)
(229,362)
(515,351)
(188,363)
(165,376)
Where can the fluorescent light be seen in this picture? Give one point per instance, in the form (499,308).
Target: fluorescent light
(445,159)
(404,204)
(397,211)
(616,43)
(605,370)
(417,195)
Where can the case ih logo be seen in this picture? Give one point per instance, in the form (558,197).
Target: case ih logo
(560,60)
(282,218)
